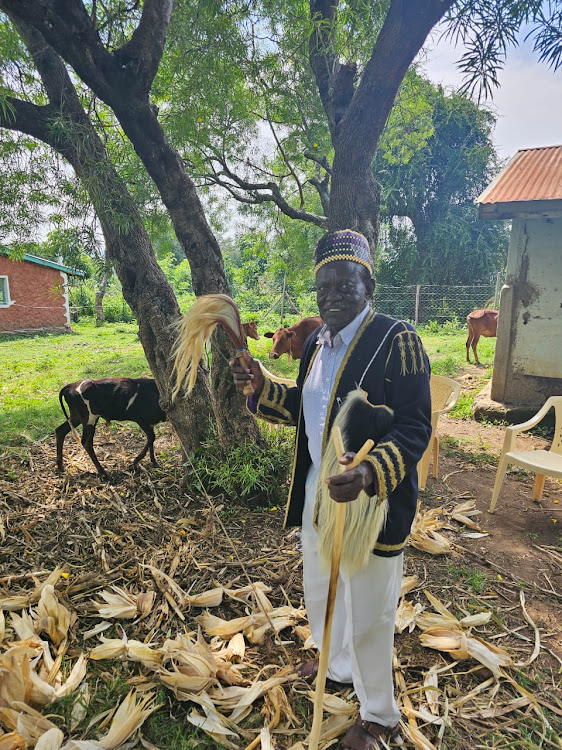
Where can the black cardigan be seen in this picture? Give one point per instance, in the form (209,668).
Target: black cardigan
(399,378)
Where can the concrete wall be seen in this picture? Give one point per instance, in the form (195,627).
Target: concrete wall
(38,295)
(528,358)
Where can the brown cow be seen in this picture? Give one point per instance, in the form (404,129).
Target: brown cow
(250,330)
(480,323)
(290,340)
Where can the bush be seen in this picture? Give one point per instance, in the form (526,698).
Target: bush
(116,310)
(245,473)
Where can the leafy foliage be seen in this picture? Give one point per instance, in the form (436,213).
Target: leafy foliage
(434,187)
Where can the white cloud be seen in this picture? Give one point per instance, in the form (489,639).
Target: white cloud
(528,103)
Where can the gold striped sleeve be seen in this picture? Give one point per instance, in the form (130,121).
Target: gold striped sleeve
(388,465)
(271,403)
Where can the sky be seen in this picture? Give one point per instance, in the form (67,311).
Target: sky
(528,103)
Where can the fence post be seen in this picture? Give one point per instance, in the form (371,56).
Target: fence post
(496,293)
(283,300)
(417,309)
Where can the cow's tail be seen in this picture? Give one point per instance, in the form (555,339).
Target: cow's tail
(73,429)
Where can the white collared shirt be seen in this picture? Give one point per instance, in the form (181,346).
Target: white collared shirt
(320,382)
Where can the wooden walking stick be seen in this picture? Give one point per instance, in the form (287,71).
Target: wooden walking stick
(332,587)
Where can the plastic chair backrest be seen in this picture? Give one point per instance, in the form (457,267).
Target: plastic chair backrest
(443,391)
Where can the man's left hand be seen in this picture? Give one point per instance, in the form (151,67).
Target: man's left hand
(346,487)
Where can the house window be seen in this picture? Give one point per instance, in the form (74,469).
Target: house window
(5,300)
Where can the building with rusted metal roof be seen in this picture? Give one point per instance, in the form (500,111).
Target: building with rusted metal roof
(528,357)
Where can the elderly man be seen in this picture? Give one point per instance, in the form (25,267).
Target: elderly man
(386,355)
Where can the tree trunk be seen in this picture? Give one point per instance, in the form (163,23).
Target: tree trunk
(180,197)
(100,294)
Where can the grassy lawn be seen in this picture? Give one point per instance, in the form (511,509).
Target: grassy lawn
(34,368)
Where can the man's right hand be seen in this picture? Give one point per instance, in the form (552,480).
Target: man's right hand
(247,370)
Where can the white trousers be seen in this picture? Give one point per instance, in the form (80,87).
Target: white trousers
(363,624)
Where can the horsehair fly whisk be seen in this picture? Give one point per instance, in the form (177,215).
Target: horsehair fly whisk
(196,328)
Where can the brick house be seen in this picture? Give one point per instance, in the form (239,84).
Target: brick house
(33,294)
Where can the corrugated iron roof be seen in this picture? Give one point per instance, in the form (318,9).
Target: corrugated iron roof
(48,263)
(534,174)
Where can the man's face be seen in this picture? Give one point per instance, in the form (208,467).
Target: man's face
(342,291)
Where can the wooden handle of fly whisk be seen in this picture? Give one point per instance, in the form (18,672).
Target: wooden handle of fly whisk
(248,389)
(337,543)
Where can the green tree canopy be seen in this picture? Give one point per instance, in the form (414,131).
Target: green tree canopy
(435,187)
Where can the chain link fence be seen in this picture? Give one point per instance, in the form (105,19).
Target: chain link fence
(417,303)
(421,303)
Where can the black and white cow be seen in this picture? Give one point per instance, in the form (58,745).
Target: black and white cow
(120,399)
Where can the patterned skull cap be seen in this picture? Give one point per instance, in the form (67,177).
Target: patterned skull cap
(343,244)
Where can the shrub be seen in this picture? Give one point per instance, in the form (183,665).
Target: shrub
(245,473)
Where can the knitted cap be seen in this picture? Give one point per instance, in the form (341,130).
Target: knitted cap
(343,244)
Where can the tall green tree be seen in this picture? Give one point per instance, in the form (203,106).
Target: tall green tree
(435,187)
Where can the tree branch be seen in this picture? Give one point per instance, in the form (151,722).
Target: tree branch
(405,29)
(27,118)
(323,60)
(286,160)
(322,161)
(146,45)
(256,194)
(71,32)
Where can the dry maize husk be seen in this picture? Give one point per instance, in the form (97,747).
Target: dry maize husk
(265,739)
(210,598)
(77,674)
(183,685)
(15,679)
(24,626)
(236,648)
(464,513)
(52,617)
(110,648)
(425,534)
(13,741)
(214,729)
(333,704)
(128,718)
(277,709)
(119,604)
(431,685)
(408,584)
(30,723)
(302,632)
(406,615)
(51,740)
(12,603)
(143,653)
(80,707)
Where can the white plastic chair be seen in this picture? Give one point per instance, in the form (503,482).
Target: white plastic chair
(544,463)
(445,393)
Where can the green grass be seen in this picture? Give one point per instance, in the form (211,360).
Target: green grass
(34,368)
(475,578)
(445,349)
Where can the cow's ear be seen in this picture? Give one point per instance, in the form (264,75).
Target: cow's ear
(268,335)
(290,334)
